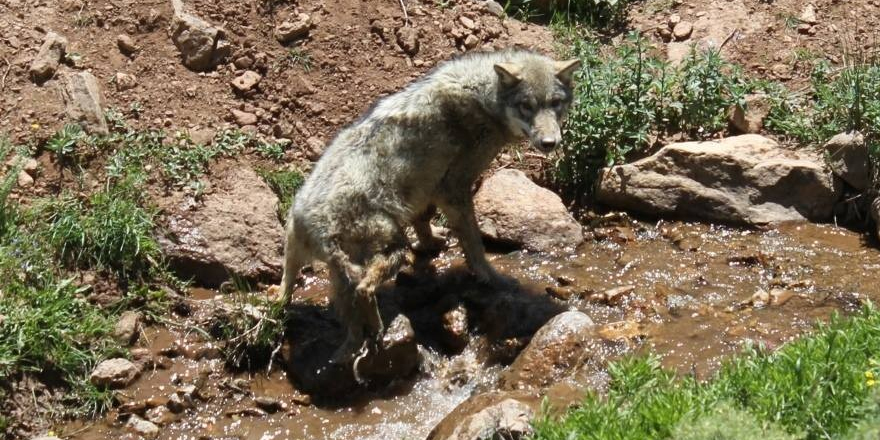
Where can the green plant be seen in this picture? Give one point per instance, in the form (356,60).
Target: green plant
(726,422)
(295,57)
(63,144)
(271,150)
(602,15)
(285,184)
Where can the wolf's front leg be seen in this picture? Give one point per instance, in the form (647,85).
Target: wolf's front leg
(463,221)
(428,242)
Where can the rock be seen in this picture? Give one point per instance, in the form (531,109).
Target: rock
(493,415)
(806,29)
(201,45)
(494,8)
(562,345)
(24,179)
(246,82)
(126,45)
(744,179)
(673,21)
(848,157)
(289,31)
(808,15)
(161,415)
(46,437)
(127,328)
(682,31)
(408,40)
(243,118)
(398,354)
(269,404)
(471,41)
(875,214)
(124,81)
(85,103)
(511,208)
(455,328)
(114,373)
(750,119)
(315,148)
(467,22)
(235,231)
(142,427)
(48,58)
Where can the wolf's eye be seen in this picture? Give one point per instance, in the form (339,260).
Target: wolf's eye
(526,108)
(556,103)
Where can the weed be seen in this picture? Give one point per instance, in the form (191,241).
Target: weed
(295,57)
(725,421)
(602,15)
(284,183)
(251,329)
(64,143)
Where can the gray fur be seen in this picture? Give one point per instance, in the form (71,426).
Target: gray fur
(419,148)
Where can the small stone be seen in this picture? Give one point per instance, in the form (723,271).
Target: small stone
(408,40)
(85,102)
(142,427)
(177,403)
(467,22)
(124,81)
(30,165)
(673,20)
(315,148)
(126,45)
(160,415)
(455,326)
(114,373)
(471,41)
(202,46)
(243,118)
(664,33)
(268,404)
(127,328)
(46,61)
(494,8)
(289,31)
(805,29)
(682,30)
(243,62)
(25,180)
(750,118)
(246,82)
(808,15)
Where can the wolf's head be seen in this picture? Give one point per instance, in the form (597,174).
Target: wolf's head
(535,94)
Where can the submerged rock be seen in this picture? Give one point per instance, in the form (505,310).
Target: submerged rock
(511,208)
(560,347)
(741,179)
(234,231)
(493,415)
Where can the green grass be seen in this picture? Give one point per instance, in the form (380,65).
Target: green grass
(812,388)
(295,57)
(285,184)
(600,15)
(629,97)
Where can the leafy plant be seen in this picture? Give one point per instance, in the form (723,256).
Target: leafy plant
(285,184)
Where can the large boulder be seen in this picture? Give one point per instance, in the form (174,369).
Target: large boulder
(234,231)
(512,209)
(848,157)
(742,179)
(493,415)
(558,349)
(84,102)
(201,44)
(46,62)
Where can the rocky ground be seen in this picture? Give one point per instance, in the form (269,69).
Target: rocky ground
(296,72)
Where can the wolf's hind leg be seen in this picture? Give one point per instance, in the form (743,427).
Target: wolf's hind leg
(428,242)
(294,258)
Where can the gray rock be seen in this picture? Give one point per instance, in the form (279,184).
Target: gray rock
(750,118)
(127,329)
(293,30)
(744,179)
(124,81)
(511,208)
(126,45)
(563,345)
(84,102)
(201,45)
(114,373)
(46,62)
(243,118)
(142,427)
(408,40)
(494,8)
(493,415)
(848,157)
(234,231)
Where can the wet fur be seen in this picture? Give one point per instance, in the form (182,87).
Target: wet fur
(418,149)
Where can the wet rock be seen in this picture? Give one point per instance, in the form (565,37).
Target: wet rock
(398,354)
(289,31)
(408,40)
(682,31)
(127,328)
(742,179)
(234,231)
(455,328)
(84,102)
(510,208)
(243,118)
(48,58)
(124,81)
(114,373)
(269,404)
(180,402)
(160,415)
(848,158)
(126,45)
(493,415)
(201,45)
(750,118)
(560,347)
(142,427)
(621,330)
(246,82)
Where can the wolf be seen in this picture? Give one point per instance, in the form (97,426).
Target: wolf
(414,151)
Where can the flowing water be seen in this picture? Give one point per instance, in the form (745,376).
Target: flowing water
(690,293)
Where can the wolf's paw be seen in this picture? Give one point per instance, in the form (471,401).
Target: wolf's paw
(496,280)
(432,247)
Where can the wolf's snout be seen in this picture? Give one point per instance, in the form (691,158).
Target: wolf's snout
(548,143)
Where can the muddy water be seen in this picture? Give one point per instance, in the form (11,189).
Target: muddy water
(690,293)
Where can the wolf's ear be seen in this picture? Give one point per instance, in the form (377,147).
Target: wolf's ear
(565,69)
(509,74)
